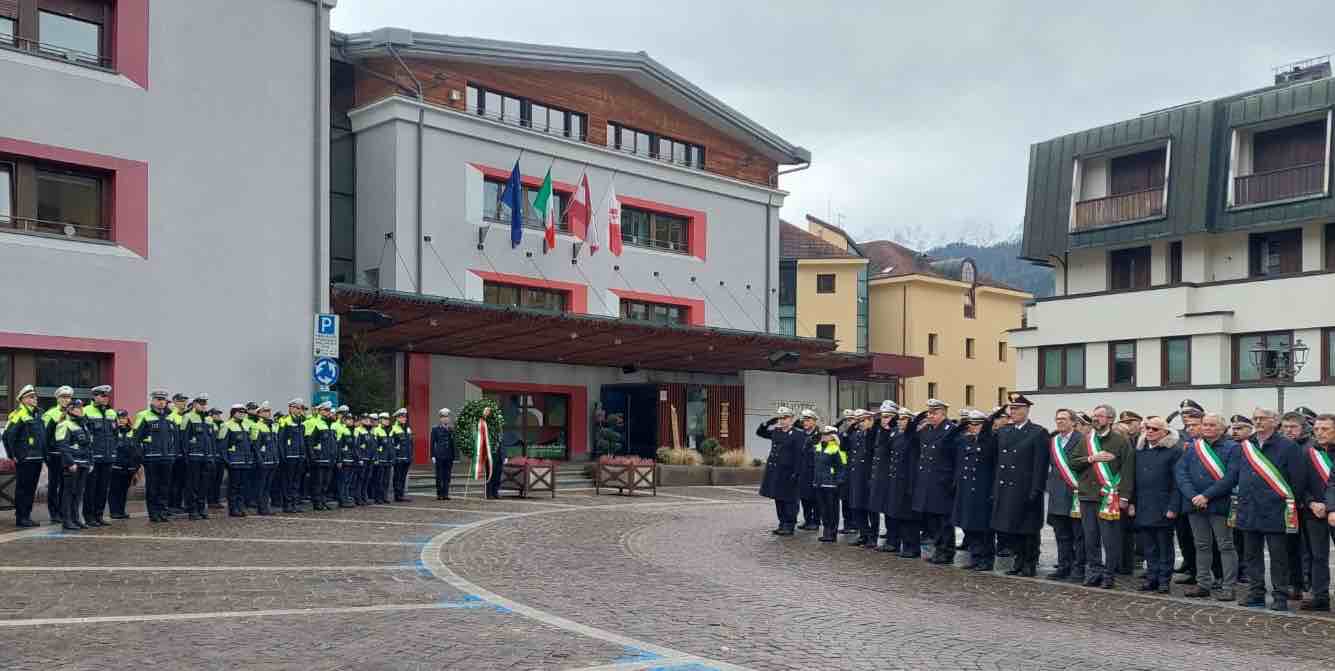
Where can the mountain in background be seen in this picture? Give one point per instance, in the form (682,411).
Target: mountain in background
(1001,260)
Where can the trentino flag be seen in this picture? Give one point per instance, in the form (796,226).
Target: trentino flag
(614,222)
(547,207)
(482,452)
(513,197)
(577,213)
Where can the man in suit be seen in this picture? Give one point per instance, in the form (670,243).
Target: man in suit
(1022,471)
(1063,503)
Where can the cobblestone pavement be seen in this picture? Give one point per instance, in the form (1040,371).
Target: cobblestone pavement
(689,580)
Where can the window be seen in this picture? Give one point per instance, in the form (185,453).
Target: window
(6,30)
(1328,334)
(76,31)
(969,275)
(1278,353)
(536,425)
(866,395)
(825,283)
(38,197)
(931,390)
(512,295)
(655,313)
(652,145)
(525,112)
(495,210)
(6,382)
(6,194)
(1129,269)
(970,306)
(1176,361)
(1275,253)
(788,297)
(931,343)
(1061,367)
(1001,352)
(825,331)
(53,369)
(69,37)
(1122,364)
(654,230)
(1330,246)
(697,413)
(1174,273)
(1002,396)
(968,348)
(968,395)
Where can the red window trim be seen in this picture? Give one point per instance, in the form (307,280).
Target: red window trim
(128,361)
(129,40)
(698,221)
(577,414)
(695,309)
(578,293)
(494,173)
(128,182)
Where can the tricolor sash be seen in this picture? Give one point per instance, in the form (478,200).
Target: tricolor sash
(1110,505)
(1321,462)
(1272,477)
(1067,475)
(1209,460)
(482,452)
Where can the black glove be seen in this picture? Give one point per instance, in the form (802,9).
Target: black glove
(1035,496)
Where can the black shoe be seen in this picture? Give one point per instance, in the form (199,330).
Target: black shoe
(1092,581)
(843,532)
(1197,592)
(1015,570)
(26,524)
(908,554)
(119,516)
(1059,574)
(69,527)
(778,531)
(809,527)
(1108,582)
(1280,605)
(1148,586)
(194,517)
(1186,580)
(1185,570)
(1255,603)
(1315,604)
(787,531)
(1003,552)
(1029,570)
(216,506)
(884,547)
(827,538)
(983,567)
(203,515)
(445,498)
(1164,588)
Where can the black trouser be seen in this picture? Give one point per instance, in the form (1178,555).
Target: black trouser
(320,476)
(871,525)
(54,481)
(120,490)
(982,546)
(1128,564)
(1024,547)
(176,492)
(217,470)
(276,492)
(786,511)
(157,480)
(347,480)
(853,519)
(1070,543)
(364,483)
(1299,560)
(236,489)
(289,477)
(829,511)
(907,534)
(494,482)
(1157,543)
(1278,545)
(95,491)
(263,479)
(196,480)
(1186,544)
(1103,541)
(443,470)
(71,494)
(811,512)
(1319,536)
(942,533)
(1239,544)
(25,488)
(374,473)
(401,479)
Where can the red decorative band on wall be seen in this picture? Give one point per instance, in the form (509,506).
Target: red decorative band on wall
(129,361)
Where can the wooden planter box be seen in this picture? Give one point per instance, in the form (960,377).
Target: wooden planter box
(682,476)
(527,478)
(625,478)
(8,483)
(736,475)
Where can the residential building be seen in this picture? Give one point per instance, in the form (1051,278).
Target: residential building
(162,202)
(672,341)
(1193,248)
(822,289)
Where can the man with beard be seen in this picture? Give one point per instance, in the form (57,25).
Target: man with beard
(1107,468)
(1267,508)
(780,479)
(1022,468)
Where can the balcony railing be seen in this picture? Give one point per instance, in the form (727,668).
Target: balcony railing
(62,229)
(16,43)
(1120,208)
(1282,184)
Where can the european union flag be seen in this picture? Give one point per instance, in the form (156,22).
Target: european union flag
(513,196)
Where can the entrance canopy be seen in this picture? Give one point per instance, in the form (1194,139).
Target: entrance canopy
(404,321)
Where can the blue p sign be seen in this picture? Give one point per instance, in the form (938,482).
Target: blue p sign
(325,325)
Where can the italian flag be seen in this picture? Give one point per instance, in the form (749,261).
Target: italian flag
(548,207)
(482,452)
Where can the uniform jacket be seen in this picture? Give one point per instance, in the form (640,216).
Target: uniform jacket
(264,444)
(1123,464)
(1310,487)
(878,444)
(128,456)
(859,451)
(177,419)
(1059,494)
(319,440)
(975,472)
(380,449)
(235,441)
(1156,492)
(401,435)
(806,464)
(50,420)
(361,444)
(442,443)
(1193,480)
(25,438)
(901,470)
(934,486)
(780,479)
(1022,472)
(1259,507)
(829,464)
(100,423)
(196,437)
(291,438)
(155,436)
(74,443)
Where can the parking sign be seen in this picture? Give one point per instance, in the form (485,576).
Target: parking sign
(326,335)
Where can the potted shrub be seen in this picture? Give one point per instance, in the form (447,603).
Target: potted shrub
(734,467)
(627,474)
(529,474)
(681,466)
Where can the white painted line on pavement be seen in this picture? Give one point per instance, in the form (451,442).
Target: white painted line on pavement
(198,569)
(177,617)
(287,518)
(209,539)
(656,663)
(448,510)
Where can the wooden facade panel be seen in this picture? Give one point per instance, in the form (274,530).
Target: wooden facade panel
(725,413)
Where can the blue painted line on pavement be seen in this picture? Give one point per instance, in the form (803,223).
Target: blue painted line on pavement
(503,610)
(422,570)
(472,597)
(690,666)
(458,604)
(631,654)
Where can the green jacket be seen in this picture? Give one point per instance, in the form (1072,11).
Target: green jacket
(1124,464)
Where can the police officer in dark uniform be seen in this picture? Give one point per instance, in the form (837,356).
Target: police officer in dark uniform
(859,449)
(181,464)
(880,432)
(264,447)
(197,442)
(365,457)
(1022,472)
(442,454)
(99,420)
(808,425)
(25,439)
(934,486)
(128,460)
(292,445)
(347,457)
(217,467)
(54,468)
(321,453)
(235,441)
(402,436)
(780,479)
(76,452)
(975,470)
(155,437)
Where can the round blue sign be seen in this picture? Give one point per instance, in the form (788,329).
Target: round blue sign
(326,371)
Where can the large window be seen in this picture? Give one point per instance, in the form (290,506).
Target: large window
(1129,269)
(1001,351)
(495,210)
(7,26)
(655,230)
(697,413)
(825,331)
(526,112)
(1175,262)
(513,295)
(536,425)
(1176,363)
(6,194)
(931,343)
(1122,364)
(825,283)
(968,395)
(70,37)
(70,30)
(866,395)
(1278,355)
(52,369)
(653,145)
(39,197)
(655,313)
(1061,367)
(1275,253)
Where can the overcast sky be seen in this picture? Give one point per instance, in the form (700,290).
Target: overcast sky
(919,116)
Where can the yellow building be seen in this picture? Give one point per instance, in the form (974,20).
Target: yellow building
(941,310)
(822,289)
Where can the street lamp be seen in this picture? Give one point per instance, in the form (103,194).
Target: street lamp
(1280,365)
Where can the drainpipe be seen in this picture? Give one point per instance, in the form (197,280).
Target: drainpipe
(769,236)
(421,120)
(320,140)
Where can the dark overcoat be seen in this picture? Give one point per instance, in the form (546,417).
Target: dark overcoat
(1260,508)
(1059,493)
(860,455)
(1022,474)
(934,486)
(902,467)
(975,470)
(1193,480)
(878,443)
(780,479)
(1156,491)
(806,462)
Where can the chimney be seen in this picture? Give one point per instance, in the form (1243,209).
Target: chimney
(1303,71)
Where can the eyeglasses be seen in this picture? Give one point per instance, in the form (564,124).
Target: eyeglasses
(1153,428)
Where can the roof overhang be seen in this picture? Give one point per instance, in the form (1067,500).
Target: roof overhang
(402,321)
(832,262)
(637,67)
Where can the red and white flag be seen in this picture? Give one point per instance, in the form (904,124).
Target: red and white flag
(482,452)
(577,213)
(613,222)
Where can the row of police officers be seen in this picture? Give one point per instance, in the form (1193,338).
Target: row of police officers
(1116,489)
